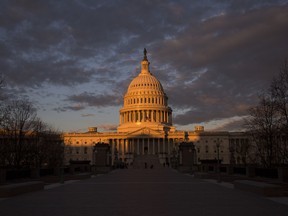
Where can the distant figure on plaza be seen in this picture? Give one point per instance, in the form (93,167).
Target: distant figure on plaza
(145,165)
(151,167)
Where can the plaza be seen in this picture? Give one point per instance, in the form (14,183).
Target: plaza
(162,191)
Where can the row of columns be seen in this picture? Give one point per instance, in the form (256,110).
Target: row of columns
(152,100)
(141,146)
(146,116)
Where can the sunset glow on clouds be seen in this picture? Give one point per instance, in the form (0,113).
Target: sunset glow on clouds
(75,59)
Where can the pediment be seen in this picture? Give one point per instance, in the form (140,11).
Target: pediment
(145,131)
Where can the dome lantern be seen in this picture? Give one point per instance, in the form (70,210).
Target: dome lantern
(145,64)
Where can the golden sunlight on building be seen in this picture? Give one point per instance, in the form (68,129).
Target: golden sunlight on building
(146,129)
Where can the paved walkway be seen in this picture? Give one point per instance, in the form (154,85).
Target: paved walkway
(141,192)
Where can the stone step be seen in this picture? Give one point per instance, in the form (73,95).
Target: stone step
(149,160)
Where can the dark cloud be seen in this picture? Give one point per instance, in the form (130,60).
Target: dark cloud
(237,124)
(69,108)
(222,63)
(212,57)
(87,115)
(108,127)
(91,99)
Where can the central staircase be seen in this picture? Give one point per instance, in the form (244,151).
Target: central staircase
(150,160)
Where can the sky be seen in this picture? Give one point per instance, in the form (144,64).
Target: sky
(74,59)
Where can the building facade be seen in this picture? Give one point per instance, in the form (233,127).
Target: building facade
(146,128)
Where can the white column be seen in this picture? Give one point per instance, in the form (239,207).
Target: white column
(158,145)
(138,148)
(148,147)
(125,146)
(166,115)
(153,145)
(169,146)
(143,146)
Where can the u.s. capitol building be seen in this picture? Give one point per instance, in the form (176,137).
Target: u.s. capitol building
(146,128)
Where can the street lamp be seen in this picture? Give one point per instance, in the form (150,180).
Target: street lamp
(190,151)
(218,160)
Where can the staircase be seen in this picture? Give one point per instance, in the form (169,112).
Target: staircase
(150,160)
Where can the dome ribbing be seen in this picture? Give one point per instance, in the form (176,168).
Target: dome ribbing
(145,102)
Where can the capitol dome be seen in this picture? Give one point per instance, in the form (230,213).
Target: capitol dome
(145,102)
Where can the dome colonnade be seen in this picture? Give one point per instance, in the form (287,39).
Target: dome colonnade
(145,102)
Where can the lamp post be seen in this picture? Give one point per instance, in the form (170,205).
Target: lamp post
(115,163)
(62,165)
(218,160)
(191,157)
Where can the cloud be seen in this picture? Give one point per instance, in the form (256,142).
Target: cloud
(239,53)
(76,107)
(91,99)
(109,127)
(87,115)
(232,124)
(212,57)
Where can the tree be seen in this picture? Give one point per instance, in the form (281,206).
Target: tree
(26,140)
(45,147)
(279,92)
(263,125)
(18,118)
(268,122)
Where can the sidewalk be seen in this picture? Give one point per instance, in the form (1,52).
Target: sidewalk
(141,192)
